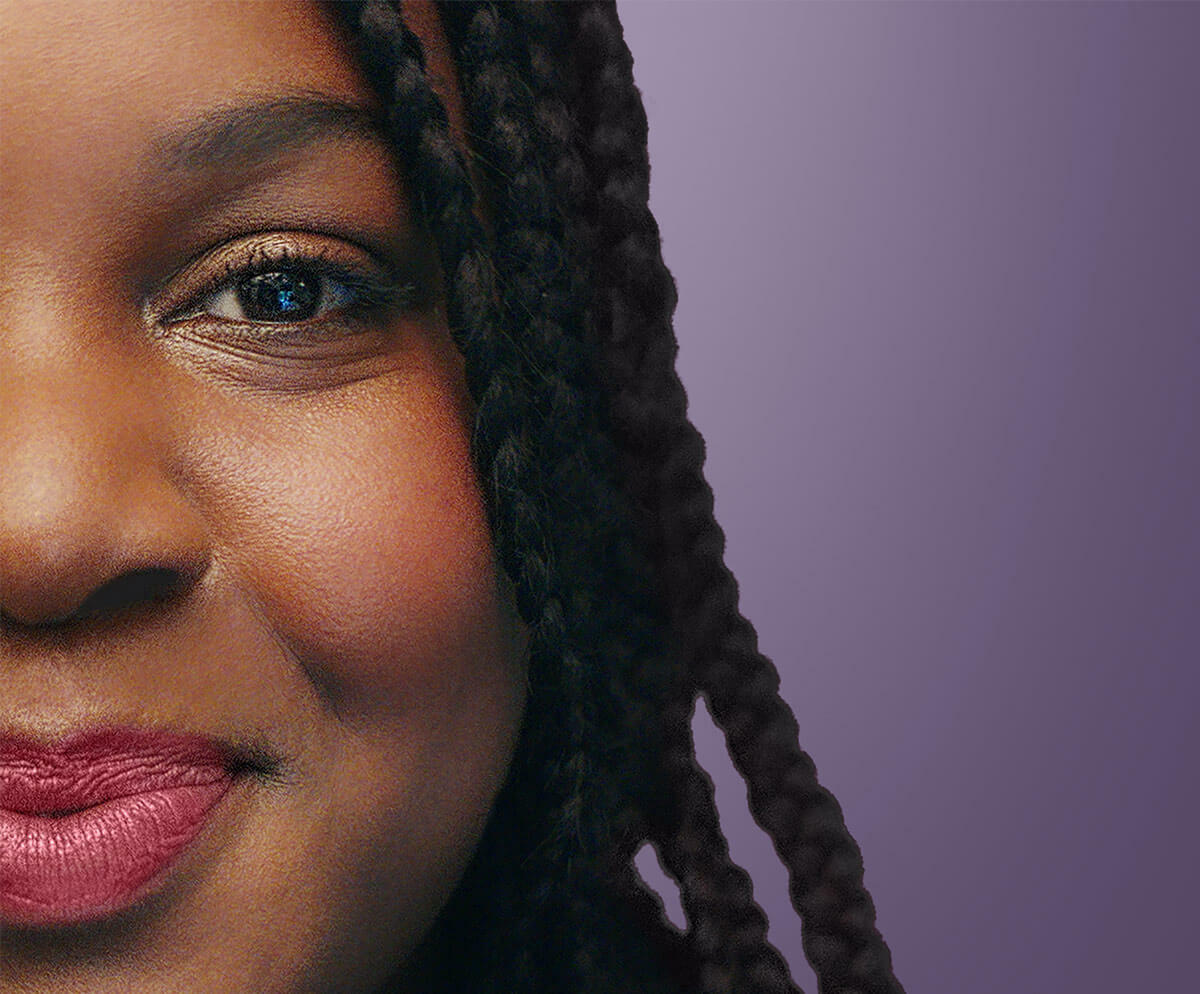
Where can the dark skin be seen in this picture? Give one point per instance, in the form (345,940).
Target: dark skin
(293,487)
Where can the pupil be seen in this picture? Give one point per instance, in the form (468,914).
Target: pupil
(288,295)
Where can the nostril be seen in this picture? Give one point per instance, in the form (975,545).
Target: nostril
(135,588)
(129,590)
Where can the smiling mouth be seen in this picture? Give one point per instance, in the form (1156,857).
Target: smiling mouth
(88,827)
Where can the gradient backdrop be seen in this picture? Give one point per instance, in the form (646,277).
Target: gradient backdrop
(939,268)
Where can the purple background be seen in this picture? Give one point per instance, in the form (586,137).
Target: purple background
(939,268)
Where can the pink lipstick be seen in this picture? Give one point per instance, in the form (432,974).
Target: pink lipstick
(87,826)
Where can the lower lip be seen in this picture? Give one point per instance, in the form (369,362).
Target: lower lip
(96,862)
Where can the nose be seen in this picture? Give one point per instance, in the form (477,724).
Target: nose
(91,521)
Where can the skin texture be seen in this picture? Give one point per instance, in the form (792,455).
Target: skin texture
(325,589)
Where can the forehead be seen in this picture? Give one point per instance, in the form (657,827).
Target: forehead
(90,88)
(132,65)
(89,85)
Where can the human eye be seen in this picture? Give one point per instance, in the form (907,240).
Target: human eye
(287,290)
(290,288)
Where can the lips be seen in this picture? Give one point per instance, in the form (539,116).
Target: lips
(88,825)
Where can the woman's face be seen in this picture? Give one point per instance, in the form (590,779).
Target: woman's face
(237,513)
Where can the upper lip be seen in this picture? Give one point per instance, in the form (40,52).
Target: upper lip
(95,766)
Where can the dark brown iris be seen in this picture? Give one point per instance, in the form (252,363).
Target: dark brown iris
(286,295)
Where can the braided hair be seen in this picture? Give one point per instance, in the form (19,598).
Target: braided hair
(561,306)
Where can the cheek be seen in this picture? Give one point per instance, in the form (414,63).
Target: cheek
(378,552)
(355,524)
(351,523)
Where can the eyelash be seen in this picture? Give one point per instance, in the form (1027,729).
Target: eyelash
(371,296)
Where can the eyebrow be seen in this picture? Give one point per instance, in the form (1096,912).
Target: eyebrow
(242,136)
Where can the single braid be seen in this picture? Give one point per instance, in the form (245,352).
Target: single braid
(728,929)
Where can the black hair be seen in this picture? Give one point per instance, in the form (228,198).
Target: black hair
(603,521)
